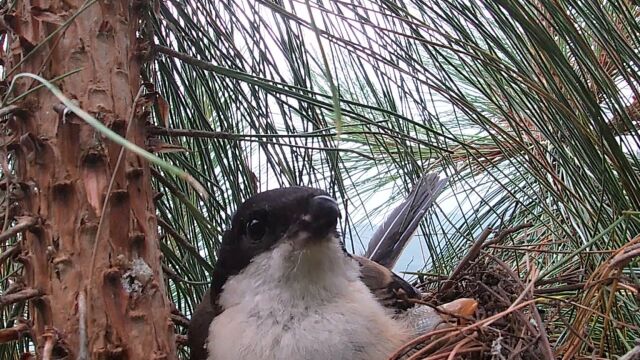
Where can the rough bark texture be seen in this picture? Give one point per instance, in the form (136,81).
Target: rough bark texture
(66,167)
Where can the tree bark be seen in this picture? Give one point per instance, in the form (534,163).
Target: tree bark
(65,167)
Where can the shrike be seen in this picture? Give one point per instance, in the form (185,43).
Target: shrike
(284,287)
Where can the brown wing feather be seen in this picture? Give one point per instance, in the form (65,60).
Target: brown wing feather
(391,290)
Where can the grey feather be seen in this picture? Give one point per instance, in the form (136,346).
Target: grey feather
(392,236)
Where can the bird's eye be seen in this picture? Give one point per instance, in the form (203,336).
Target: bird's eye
(256,229)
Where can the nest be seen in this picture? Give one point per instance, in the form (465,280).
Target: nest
(517,319)
(505,326)
(508,324)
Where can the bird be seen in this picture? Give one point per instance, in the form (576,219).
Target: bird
(285,287)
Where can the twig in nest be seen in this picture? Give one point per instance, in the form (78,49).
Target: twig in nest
(527,293)
(24,223)
(456,331)
(458,347)
(430,336)
(466,261)
(473,253)
(14,333)
(544,339)
(21,295)
(518,352)
(450,341)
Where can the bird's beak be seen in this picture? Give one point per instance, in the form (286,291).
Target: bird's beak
(322,217)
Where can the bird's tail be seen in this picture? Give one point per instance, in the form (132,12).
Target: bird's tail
(392,236)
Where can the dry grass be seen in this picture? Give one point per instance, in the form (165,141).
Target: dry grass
(522,316)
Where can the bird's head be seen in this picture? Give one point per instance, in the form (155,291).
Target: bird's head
(297,226)
(300,214)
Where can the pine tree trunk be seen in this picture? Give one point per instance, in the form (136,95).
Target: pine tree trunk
(102,298)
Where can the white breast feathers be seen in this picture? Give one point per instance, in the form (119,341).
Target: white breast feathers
(306,304)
